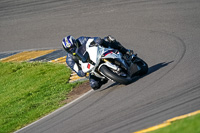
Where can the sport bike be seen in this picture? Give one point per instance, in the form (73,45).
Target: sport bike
(108,63)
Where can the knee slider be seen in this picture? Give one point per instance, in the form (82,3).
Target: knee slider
(94,84)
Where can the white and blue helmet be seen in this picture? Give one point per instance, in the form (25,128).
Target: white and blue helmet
(69,43)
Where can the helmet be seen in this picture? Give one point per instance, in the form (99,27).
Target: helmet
(69,44)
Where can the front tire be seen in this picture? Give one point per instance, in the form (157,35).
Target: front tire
(111,75)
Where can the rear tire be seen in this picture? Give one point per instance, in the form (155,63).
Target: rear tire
(111,75)
(143,65)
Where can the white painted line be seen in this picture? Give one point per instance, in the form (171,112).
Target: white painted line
(55,111)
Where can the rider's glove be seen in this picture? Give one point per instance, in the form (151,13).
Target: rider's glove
(80,73)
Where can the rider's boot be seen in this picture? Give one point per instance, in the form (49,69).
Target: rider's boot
(117,45)
(110,39)
(127,53)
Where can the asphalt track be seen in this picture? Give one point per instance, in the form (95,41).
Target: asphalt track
(165,33)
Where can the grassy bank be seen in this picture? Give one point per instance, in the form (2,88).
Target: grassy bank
(187,125)
(29,91)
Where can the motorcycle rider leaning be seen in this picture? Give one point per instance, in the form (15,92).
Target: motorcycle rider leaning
(70,44)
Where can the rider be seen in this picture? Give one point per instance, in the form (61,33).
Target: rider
(70,44)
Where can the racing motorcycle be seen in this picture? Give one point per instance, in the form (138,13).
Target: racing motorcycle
(108,63)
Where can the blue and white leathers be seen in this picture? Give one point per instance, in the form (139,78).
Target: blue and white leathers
(80,67)
(74,65)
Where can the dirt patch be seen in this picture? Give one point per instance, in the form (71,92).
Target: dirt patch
(77,92)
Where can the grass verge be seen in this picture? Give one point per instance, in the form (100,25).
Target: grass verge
(29,91)
(186,125)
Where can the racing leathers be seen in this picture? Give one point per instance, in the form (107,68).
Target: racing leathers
(73,62)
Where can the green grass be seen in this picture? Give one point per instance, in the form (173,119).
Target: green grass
(28,91)
(187,125)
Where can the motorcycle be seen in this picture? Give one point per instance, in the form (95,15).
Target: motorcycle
(108,63)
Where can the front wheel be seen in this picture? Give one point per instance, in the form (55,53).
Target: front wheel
(113,76)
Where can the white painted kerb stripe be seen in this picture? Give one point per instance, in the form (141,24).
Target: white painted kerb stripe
(55,111)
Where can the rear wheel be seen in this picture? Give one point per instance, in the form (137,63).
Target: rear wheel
(114,76)
(143,65)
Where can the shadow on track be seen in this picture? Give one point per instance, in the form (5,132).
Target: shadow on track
(157,67)
(151,70)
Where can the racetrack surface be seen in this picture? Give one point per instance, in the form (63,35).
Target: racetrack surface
(165,33)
